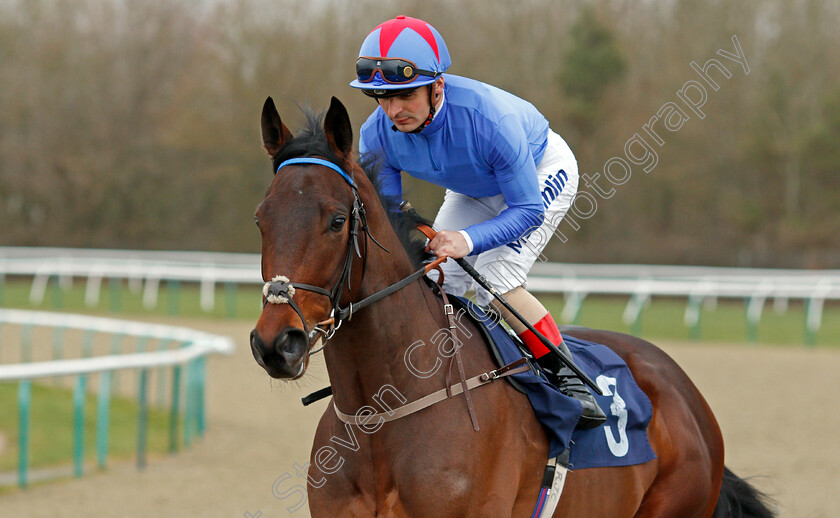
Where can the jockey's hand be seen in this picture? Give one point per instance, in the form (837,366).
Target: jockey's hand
(450,243)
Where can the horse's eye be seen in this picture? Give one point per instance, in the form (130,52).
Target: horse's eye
(337,223)
(256,221)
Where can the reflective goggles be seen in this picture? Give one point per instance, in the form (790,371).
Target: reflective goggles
(393,70)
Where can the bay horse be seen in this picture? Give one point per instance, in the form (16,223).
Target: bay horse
(327,244)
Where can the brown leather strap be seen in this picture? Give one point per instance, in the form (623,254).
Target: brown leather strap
(433,398)
(450,315)
(426,230)
(430,233)
(435,265)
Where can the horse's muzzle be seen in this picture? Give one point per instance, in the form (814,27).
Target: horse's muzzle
(286,356)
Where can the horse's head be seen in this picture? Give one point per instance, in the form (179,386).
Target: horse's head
(311,222)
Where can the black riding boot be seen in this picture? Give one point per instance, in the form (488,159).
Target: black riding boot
(569,384)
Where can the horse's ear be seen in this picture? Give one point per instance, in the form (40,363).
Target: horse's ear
(337,128)
(275,134)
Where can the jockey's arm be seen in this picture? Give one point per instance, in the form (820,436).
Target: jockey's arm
(512,166)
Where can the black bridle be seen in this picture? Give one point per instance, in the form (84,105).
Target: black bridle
(280,290)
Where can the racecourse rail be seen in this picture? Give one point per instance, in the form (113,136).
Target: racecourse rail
(191,349)
(146,270)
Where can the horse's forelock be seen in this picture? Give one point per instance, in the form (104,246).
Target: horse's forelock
(309,141)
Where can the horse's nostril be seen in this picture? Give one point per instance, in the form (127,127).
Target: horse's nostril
(291,342)
(257,346)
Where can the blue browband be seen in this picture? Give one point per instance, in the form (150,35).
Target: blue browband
(318,161)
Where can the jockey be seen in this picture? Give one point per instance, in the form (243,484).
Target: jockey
(509,179)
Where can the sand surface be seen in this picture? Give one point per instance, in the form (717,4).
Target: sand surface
(768,400)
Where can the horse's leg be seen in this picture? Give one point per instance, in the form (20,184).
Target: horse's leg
(531,463)
(337,494)
(512,473)
(613,492)
(691,461)
(686,438)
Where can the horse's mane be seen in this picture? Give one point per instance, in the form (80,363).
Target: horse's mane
(403,223)
(312,141)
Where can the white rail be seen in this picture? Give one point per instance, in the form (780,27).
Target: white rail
(199,344)
(575,281)
(193,346)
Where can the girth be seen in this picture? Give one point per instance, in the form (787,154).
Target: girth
(435,397)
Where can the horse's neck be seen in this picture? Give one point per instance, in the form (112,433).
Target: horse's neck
(368,356)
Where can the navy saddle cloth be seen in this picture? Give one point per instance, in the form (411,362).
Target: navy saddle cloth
(621,441)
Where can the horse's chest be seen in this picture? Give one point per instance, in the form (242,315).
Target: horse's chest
(389,481)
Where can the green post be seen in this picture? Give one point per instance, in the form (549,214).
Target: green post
(103,418)
(813,319)
(753,315)
(115,294)
(24,400)
(79,425)
(189,404)
(58,349)
(140,346)
(174,289)
(142,418)
(142,394)
(174,409)
(200,386)
(231,299)
(57,294)
(633,312)
(692,316)
(116,348)
(2,284)
(573,307)
(160,373)
(58,343)
(696,331)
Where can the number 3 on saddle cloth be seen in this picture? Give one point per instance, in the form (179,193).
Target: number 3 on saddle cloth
(621,441)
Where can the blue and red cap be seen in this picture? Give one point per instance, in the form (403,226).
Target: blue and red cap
(400,54)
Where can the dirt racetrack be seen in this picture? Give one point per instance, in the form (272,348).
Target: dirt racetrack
(770,402)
